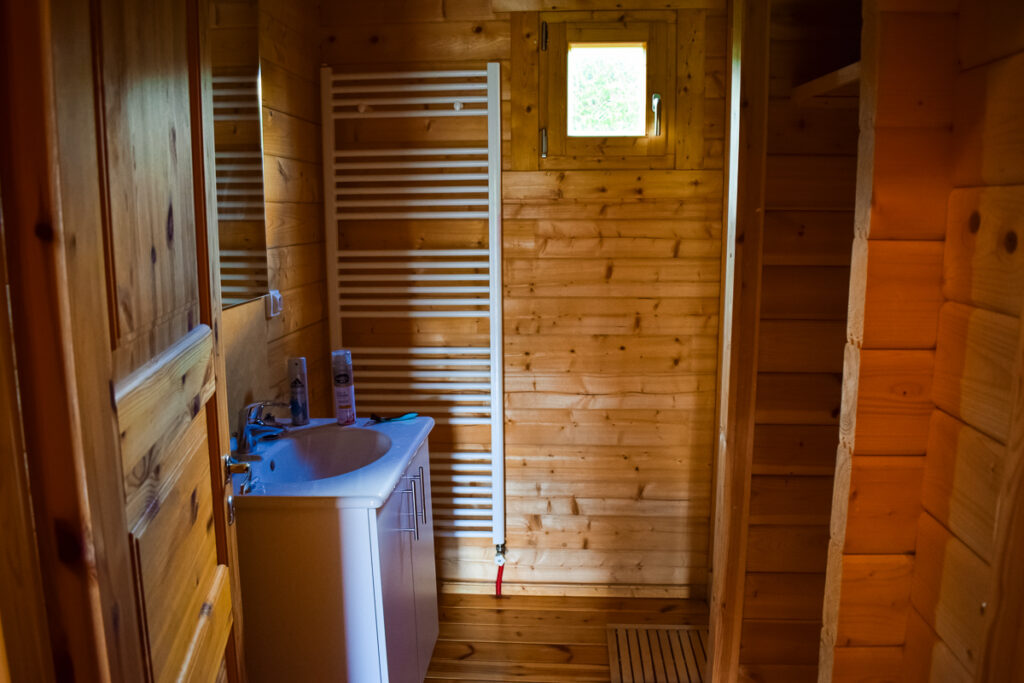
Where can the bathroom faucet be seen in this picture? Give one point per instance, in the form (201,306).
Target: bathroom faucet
(252,428)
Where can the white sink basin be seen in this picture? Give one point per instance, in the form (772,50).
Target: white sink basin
(322,452)
(354,466)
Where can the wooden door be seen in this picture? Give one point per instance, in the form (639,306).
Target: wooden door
(116,327)
(161,312)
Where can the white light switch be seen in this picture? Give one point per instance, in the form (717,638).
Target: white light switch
(274,303)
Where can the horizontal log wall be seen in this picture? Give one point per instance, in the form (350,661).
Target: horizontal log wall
(289,63)
(808,233)
(287,39)
(908,66)
(966,587)
(611,289)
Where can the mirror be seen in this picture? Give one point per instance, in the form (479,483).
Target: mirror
(234,45)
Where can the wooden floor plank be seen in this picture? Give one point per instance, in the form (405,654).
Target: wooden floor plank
(497,633)
(538,639)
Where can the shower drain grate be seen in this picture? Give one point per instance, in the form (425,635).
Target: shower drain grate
(657,654)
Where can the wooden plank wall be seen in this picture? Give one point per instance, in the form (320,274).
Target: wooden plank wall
(289,64)
(908,67)
(808,233)
(965,619)
(611,312)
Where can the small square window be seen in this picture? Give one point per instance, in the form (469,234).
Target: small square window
(600,75)
(607,89)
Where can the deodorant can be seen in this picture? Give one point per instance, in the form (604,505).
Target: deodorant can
(299,383)
(344,387)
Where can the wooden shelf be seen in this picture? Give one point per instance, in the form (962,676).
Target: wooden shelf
(839,88)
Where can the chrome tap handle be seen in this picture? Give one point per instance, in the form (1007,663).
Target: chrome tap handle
(253,413)
(248,416)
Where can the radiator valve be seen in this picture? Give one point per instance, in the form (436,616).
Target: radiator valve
(499,555)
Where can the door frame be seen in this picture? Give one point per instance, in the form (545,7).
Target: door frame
(24,644)
(56,248)
(742,251)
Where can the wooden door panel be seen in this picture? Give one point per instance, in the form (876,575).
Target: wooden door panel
(205,659)
(175,553)
(156,405)
(147,143)
(183,593)
(118,307)
(164,472)
(164,360)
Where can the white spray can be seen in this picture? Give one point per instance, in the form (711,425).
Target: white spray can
(299,384)
(344,387)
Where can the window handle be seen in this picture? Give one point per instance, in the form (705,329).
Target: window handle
(656,108)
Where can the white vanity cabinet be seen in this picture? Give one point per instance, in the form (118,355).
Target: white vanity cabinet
(338,577)
(424,572)
(405,584)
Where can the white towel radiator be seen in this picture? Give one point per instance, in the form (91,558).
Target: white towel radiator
(442,183)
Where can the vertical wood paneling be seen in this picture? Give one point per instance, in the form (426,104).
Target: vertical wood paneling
(525,27)
(691,56)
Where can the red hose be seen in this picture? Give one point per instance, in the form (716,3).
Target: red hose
(497,583)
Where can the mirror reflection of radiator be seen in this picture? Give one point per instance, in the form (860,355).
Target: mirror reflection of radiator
(239,175)
(412,184)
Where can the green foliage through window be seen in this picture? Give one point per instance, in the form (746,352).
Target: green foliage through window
(607,90)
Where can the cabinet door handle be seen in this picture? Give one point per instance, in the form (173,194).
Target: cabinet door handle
(423,496)
(415,528)
(415,507)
